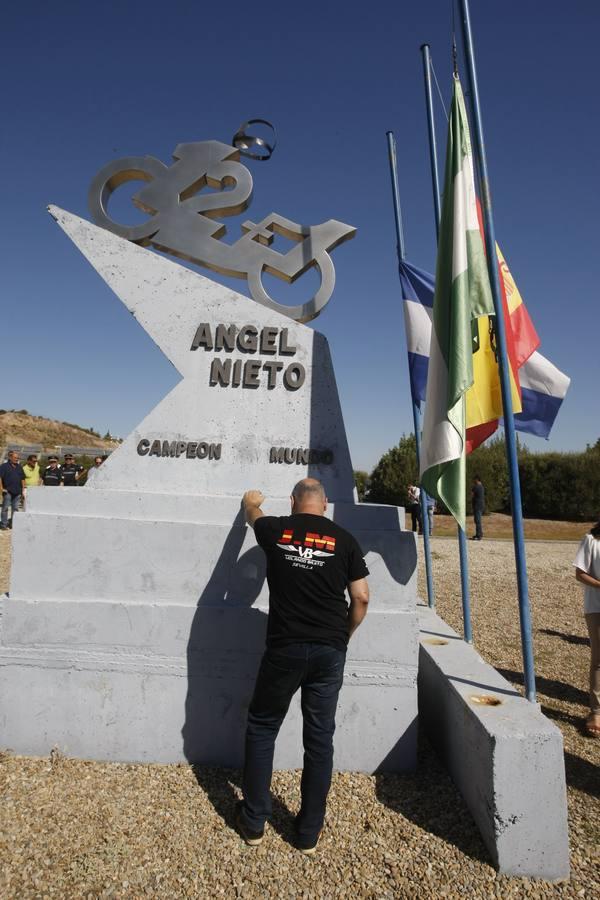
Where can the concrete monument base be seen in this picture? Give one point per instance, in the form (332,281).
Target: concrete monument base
(504,756)
(135,629)
(147,648)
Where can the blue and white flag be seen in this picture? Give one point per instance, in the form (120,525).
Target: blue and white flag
(543,386)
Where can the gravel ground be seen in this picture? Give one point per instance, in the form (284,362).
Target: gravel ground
(73,829)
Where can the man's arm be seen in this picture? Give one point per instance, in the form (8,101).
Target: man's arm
(252,501)
(359,600)
(584,578)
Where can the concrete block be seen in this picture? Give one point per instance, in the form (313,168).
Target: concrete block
(504,756)
(142,643)
(109,691)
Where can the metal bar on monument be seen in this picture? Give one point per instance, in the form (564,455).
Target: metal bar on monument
(509,425)
(462,539)
(415,409)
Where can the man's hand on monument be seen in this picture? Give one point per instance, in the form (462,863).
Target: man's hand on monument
(253,498)
(252,501)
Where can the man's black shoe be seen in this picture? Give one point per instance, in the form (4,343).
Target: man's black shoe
(252,838)
(308,848)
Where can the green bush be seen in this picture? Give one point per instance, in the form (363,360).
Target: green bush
(553,485)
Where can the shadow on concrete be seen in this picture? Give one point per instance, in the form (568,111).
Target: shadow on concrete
(550,687)
(402,754)
(481,685)
(225,645)
(223,789)
(441,634)
(430,800)
(569,638)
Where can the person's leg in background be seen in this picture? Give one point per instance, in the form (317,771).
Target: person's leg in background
(478,516)
(592,621)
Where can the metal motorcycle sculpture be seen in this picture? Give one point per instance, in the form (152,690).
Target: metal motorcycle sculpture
(182,221)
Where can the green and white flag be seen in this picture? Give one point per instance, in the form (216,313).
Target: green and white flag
(462,294)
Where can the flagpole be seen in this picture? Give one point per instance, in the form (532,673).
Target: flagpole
(509,425)
(462,539)
(415,409)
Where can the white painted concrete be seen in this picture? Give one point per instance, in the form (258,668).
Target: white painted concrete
(506,760)
(143,641)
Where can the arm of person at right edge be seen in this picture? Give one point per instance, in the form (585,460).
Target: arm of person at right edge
(359,601)
(584,578)
(252,502)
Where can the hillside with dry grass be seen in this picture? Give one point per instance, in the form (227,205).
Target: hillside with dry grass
(19,427)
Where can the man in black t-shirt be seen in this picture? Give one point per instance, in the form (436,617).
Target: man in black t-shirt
(311,562)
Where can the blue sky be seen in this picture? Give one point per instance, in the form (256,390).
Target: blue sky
(91,82)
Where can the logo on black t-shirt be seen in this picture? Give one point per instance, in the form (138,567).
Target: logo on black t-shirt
(311,545)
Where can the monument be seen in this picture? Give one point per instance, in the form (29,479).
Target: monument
(144,646)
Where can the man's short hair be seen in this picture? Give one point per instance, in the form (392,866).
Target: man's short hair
(304,489)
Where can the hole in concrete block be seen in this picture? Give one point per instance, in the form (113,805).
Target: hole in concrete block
(485,700)
(437,642)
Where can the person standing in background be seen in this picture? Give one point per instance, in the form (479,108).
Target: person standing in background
(12,485)
(478,505)
(52,475)
(32,471)
(71,471)
(430,503)
(587,572)
(98,460)
(414,505)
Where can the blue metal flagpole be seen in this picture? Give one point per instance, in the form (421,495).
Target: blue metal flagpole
(509,425)
(415,409)
(462,540)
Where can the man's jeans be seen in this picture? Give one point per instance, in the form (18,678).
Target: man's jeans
(477,515)
(8,500)
(318,670)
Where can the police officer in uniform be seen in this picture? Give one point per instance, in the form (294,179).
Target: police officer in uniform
(52,476)
(71,471)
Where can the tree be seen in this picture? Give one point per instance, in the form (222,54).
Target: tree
(394,472)
(361,480)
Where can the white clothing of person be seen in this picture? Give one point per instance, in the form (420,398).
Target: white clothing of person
(588,560)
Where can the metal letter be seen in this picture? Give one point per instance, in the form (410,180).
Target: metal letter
(276,454)
(267,339)
(289,455)
(225,337)
(214,451)
(182,221)
(202,450)
(236,378)
(248,339)
(166,449)
(143,447)
(220,372)
(203,337)
(294,376)
(284,347)
(272,366)
(251,370)
(191,449)
(302,457)
(155,449)
(181,445)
